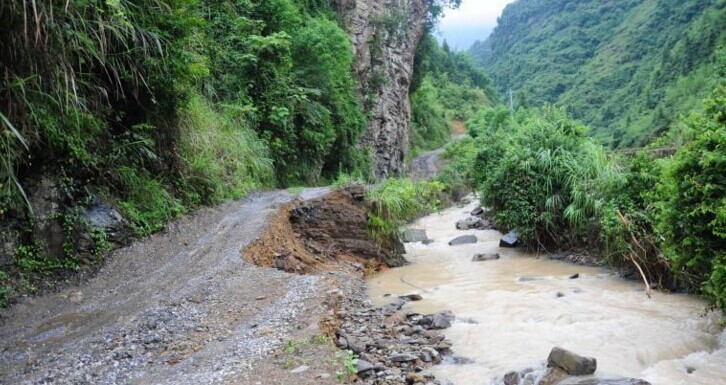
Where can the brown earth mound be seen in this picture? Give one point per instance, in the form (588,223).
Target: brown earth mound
(322,234)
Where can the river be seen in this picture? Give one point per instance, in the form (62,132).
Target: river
(512,311)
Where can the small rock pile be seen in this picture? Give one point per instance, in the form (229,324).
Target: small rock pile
(476,221)
(393,346)
(563,368)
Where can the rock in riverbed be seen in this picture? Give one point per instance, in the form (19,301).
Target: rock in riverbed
(485,257)
(473,223)
(393,345)
(511,239)
(563,368)
(573,364)
(463,240)
(414,235)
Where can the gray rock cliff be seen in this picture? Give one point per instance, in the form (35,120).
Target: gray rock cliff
(385,34)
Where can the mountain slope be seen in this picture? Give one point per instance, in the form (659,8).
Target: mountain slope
(625,68)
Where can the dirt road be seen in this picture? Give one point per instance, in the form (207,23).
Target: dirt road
(181,307)
(426,165)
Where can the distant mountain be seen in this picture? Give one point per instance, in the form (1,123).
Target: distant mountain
(627,67)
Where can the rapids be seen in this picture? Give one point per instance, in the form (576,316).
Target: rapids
(512,311)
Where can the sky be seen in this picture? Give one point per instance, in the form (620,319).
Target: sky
(473,21)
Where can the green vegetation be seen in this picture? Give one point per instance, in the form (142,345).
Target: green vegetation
(4,290)
(626,68)
(346,361)
(693,220)
(395,202)
(446,87)
(542,176)
(160,106)
(173,104)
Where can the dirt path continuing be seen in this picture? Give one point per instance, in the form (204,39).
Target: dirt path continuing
(180,307)
(426,165)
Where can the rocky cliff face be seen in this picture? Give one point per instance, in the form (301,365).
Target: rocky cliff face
(385,34)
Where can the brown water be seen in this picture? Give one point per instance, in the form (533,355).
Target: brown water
(511,312)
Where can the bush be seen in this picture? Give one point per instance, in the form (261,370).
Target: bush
(488,121)
(540,176)
(456,176)
(147,203)
(4,290)
(693,219)
(629,218)
(395,202)
(429,126)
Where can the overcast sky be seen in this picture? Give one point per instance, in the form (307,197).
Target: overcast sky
(473,21)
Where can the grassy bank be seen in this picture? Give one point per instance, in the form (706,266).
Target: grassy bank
(666,216)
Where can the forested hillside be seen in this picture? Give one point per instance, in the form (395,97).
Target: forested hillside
(140,111)
(447,87)
(626,68)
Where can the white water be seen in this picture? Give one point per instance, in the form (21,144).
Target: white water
(518,321)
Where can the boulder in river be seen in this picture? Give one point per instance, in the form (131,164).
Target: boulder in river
(463,240)
(485,257)
(604,381)
(553,376)
(511,239)
(411,297)
(573,364)
(414,235)
(511,378)
(473,223)
(477,211)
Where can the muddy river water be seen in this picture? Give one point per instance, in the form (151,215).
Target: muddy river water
(512,311)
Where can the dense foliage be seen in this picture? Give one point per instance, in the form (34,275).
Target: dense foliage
(626,68)
(541,170)
(665,216)
(447,86)
(163,105)
(694,211)
(395,202)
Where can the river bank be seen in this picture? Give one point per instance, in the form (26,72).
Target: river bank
(512,310)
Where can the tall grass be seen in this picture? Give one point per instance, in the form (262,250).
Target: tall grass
(223,158)
(395,202)
(60,62)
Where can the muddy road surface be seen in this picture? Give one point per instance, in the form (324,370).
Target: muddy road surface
(426,165)
(181,307)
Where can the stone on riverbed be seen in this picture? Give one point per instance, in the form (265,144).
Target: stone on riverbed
(411,297)
(473,223)
(477,211)
(601,381)
(485,257)
(511,239)
(363,366)
(403,357)
(463,240)
(414,235)
(571,363)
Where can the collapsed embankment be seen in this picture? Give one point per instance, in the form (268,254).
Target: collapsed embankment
(329,236)
(323,234)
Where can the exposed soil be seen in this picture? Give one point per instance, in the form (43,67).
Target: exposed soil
(458,128)
(321,235)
